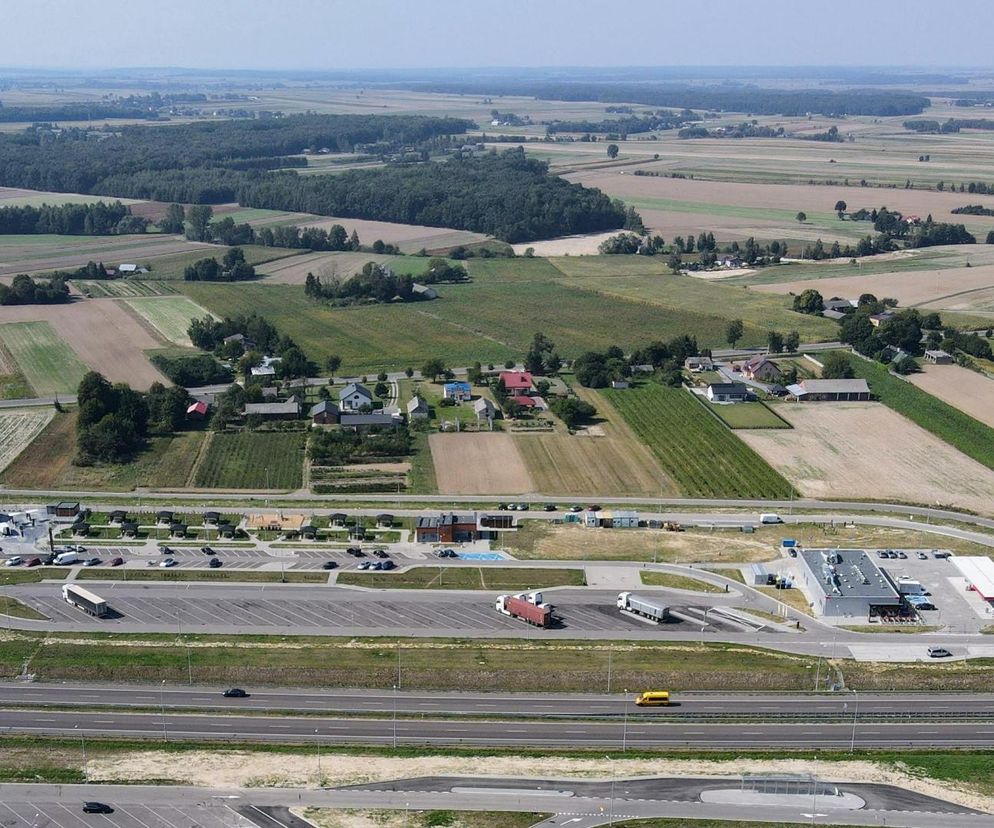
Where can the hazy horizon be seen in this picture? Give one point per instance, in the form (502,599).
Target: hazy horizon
(309,35)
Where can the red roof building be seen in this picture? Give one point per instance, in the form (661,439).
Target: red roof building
(197,410)
(516,381)
(523,401)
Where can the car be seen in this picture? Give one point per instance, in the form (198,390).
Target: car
(97,808)
(49,559)
(522,507)
(365,564)
(329,565)
(593,508)
(386,565)
(938,652)
(235,693)
(574,508)
(92,562)
(381,553)
(922,556)
(77,548)
(882,554)
(502,507)
(902,555)
(207,550)
(166,550)
(376,565)
(550,507)
(168,562)
(33,562)
(214,563)
(116,561)
(15,561)
(940,555)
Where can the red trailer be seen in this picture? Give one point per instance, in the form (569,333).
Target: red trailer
(526,608)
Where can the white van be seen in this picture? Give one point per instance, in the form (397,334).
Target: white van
(14,561)
(770,517)
(65,558)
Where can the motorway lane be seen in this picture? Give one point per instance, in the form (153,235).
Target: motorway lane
(758,706)
(524,733)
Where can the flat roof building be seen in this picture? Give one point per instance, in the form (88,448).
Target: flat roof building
(845,583)
(979,571)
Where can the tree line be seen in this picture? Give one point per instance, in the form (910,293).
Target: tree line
(949,125)
(231,268)
(631,125)
(131,107)
(23,290)
(98,219)
(373,284)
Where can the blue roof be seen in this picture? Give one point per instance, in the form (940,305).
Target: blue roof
(457,386)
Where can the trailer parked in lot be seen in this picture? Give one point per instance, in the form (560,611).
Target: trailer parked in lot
(527,606)
(653,610)
(85,600)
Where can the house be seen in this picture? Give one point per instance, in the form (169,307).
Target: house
(289,410)
(937,357)
(417,408)
(727,392)
(484,409)
(523,401)
(197,410)
(445,528)
(267,368)
(424,291)
(131,269)
(516,382)
(371,420)
(458,391)
(324,413)
(878,319)
(843,306)
(696,364)
(353,397)
(829,390)
(241,339)
(619,383)
(761,369)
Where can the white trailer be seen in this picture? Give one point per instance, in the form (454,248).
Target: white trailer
(652,610)
(85,600)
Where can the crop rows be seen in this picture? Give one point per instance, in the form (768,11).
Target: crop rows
(18,429)
(252,460)
(703,457)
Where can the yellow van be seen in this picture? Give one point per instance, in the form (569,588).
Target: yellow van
(651,698)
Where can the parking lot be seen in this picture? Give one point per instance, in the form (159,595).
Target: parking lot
(207,814)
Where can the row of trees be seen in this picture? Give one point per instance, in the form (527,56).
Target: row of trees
(374,283)
(949,125)
(98,219)
(231,268)
(23,290)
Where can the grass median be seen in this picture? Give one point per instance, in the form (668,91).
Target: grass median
(671,581)
(252,576)
(466,577)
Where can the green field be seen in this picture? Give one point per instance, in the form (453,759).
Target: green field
(704,458)
(745,415)
(972,437)
(169,315)
(45,360)
(123,288)
(172,266)
(252,460)
(450,577)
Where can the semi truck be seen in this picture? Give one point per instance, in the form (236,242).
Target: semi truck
(528,606)
(653,610)
(85,600)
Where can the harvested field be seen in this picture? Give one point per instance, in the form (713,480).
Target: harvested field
(860,450)
(479,463)
(104,336)
(294,269)
(566,245)
(17,197)
(169,315)
(18,428)
(45,360)
(409,238)
(970,392)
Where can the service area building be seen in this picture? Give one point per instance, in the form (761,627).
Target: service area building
(845,583)
(978,571)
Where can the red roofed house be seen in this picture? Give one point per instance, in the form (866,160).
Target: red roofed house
(197,410)
(523,401)
(517,382)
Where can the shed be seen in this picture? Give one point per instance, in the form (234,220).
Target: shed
(727,392)
(384,519)
(338,519)
(212,518)
(830,390)
(129,528)
(417,408)
(118,515)
(274,411)
(67,509)
(164,516)
(324,413)
(197,410)
(938,357)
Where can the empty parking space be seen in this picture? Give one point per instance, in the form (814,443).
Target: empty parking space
(207,814)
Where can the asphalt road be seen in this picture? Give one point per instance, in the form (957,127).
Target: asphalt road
(768,706)
(523,733)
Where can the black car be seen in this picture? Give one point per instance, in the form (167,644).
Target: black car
(550,507)
(207,550)
(215,563)
(501,507)
(386,564)
(381,553)
(329,565)
(235,693)
(166,550)
(97,808)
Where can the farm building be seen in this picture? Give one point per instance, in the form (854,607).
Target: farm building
(938,357)
(830,390)
(424,291)
(371,420)
(417,408)
(878,319)
(241,339)
(277,522)
(484,409)
(289,410)
(197,410)
(619,384)
(978,571)
(458,391)
(324,413)
(354,396)
(131,269)
(833,314)
(762,369)
(838,305)
(697,364)
(267,368)
(445,528)
(727,392)
(845,583)
(517,382)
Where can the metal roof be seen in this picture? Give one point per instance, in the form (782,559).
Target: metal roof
(835,386)
(979,571)
(848,573)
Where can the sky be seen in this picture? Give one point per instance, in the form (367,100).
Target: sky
(380,34)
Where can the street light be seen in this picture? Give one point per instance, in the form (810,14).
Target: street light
(162,708)
(319,755)
(82,742)
(624,731)
(855,717)
(395,715)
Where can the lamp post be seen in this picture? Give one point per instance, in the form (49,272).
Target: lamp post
(855,718)
(624,730)
(395,715)
(82,742)
(319,754)
(162,708)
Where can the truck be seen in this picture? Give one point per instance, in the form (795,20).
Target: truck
(528,606)
(770,517)
(64,558)
(85,600)
(653,610)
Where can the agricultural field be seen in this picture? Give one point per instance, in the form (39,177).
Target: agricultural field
(170,316)
(19,427)
(121,288)
(970,392)
(103,335)
(745,415)
(702,456)
(47,462)
(294,270)
(170,267)
(860,450)
(479,463)
(252,460)
(42,357)
(409,238)
(13,385)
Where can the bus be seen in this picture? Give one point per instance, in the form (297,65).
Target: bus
(85,600)
(653,698)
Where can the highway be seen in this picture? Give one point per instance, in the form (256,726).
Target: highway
(758,706)
(390,730)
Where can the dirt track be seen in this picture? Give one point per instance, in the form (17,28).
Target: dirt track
(478,463)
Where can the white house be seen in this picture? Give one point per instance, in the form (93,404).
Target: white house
(353,397)
(417,408)
(484,409)
(267,368)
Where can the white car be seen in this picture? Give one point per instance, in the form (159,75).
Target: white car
(168,562)
(15,561)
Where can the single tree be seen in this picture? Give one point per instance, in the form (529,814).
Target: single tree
(840,208)
(802,216)
(612,151)
(173,221)
(734,332)
(774,342)
(836,365)
(791,342)
(809,301)
(333,363)
(432,368)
